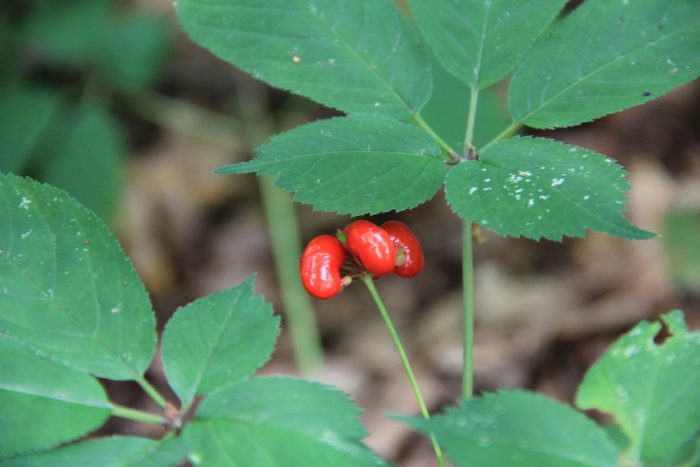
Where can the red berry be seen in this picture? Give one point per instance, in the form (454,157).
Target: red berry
(320,266)
(407,243)
(372,246)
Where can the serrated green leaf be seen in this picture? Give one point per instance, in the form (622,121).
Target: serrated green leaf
(480,41)
(87,162)
(66,287)
(540,188)
(604,57)
(24,114)
(352,165)
(652,390)
(447,110)
(278,421)
(118,451)
(38,395)
(357,56)
(217,340)
(516,428)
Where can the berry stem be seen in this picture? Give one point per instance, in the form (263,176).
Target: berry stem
(137,415)
(468,291)
(369,282)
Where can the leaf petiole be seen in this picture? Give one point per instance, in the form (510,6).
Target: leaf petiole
(509,131)
(151,391)
(137,415)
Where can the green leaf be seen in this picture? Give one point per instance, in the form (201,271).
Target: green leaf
(278,421)
(516,428)
(357,56)
(652,390)
(24,114)
(38,395)
(218,340)
(480,41)
(131,51)
(540,188)
(352,165)
(682,247)
(66,287)
(688,455)
(118,451)
(604,57)
(65,31)
(447,110)
(87,162)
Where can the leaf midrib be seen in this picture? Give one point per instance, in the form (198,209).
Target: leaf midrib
(254,164)
(595,71)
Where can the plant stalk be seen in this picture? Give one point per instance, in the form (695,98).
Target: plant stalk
(367,279)
(284,234)
(468,291)
(137,415)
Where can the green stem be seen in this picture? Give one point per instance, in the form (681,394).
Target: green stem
(468,291)
(471,120)
(369,282)
(151,391)
(137,415)
(441,142)
(509,131)
(284,234)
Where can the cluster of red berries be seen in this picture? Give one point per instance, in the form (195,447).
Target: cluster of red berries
(330,263)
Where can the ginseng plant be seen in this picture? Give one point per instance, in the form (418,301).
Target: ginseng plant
(73,310)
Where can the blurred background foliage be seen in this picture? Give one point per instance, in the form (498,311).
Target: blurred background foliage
(109,100)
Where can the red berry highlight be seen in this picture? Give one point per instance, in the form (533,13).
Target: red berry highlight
(320,266)
(372,245)
(406,243)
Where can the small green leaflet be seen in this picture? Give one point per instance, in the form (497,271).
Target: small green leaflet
(352,165)
(118,451)
(604,57)
(131,51)
(540,188)
(268,422)
(518,429)
(24,114)
(217,340)
(66,287)
(480,41)
(357,56)
(653,390)
(38,395)
(87,159)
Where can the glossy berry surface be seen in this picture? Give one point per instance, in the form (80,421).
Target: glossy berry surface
(372,245)
(320,266)
(408,246)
